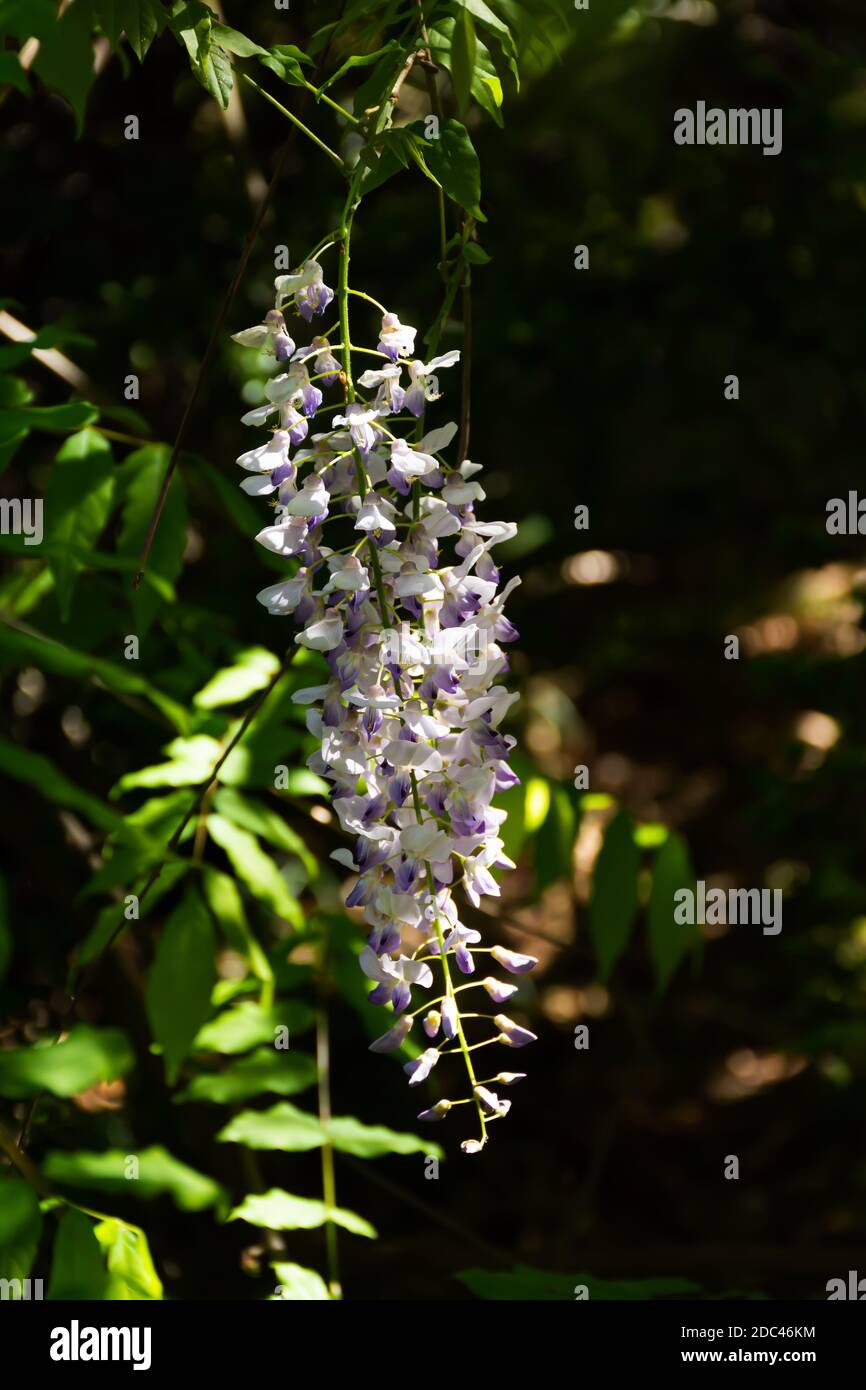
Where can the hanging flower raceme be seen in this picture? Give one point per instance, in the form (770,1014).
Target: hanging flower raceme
(393,580)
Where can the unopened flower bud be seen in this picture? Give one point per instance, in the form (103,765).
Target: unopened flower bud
(513,960)
(498,990)
(437,1111)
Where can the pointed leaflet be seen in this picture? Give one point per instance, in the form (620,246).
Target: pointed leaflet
(280,1211)
(250,671)
(294,1283)
(453,162)
(181,979)
(143,472)
(226,904)
(192,22)
(158,1173)
(283,1073)
(256,869)
(20,1227)
(64,61)
(463,49)
(131,1274)
(614,893)
(78,1265)
(248,1025)
(289,1129)
(77,505)
(669,940)
(142,20)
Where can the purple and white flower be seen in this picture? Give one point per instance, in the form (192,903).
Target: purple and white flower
(407,720)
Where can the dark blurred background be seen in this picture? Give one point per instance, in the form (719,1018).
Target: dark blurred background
(602,387)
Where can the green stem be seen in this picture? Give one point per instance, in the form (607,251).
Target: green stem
(305,130)
(343,293)
(450,991)
(323,1069)
(335,105)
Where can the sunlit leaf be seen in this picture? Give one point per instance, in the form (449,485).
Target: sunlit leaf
(250,672)
(279,1211)
(294,1283)
(255,868)
(156,1172)
(84,1058)
(248,1025)
(283,1073)
(130,1267)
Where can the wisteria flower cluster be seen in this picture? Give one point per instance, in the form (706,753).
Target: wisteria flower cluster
(404,603)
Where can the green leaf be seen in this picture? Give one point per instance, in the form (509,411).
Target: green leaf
(130,1267)
(373,1141)
(83,1059)
(20,1228)
(299,1284)
(144,472)
(78,1265)
(371,92)
(266,823)
(669,941)
(285,60)
(215,73)
(252,670)
(463,50)
(283,1073)
(31,649)
(142,20)
(494,25)
(191,762)
(256,869)
(475,255)
(77,504)
(283,1127)
(287,1128)
(65,59)
(249,1025)
(143,841)
(12,73)
(159,1173)
(54,419)
(360,60)
(453,161)
(110,916)
(225,902)
(523,1283)
(181,980)
(279,1211)
(236,42)
(24,19)
(554,841)
(614,903)
(383,159)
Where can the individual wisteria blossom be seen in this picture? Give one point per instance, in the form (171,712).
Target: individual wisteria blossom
(391,577)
